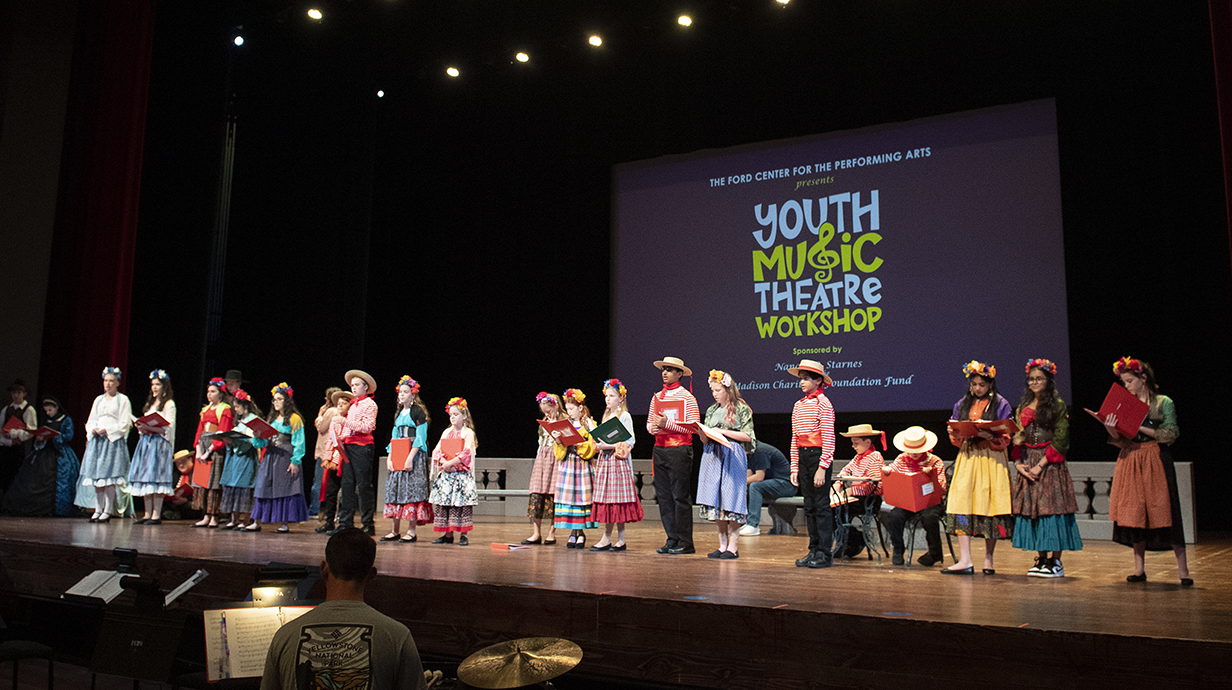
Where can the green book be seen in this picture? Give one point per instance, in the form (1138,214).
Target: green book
(611,432)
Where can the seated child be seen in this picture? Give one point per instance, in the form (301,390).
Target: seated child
(915,442)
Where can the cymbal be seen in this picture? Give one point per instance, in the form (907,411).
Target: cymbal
(519,662)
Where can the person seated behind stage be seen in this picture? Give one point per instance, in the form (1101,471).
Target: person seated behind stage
(769,476)
(381,652)
(915,443)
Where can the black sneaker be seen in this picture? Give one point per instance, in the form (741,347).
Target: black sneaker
(1052,568)
(370,531)
(897,558)
(1041,565)
(803,562)
(325,528)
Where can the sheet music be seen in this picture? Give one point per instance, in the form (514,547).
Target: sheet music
(103,584)
(237,640)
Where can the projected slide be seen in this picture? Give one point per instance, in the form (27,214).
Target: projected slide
(891,254)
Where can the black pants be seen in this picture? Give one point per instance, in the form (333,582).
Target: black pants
(930,518)
(673,477)
(817,513)
(329,506)
(357,478)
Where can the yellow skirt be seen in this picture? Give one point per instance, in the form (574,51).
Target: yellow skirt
(981,484)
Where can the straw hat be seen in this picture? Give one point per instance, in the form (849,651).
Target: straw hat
(363,375)
(182,458)
(915,439)
(807,365)
(339,395)
(861,430)
(674,362)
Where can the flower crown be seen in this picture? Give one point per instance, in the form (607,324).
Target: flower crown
(283,388)
(242,395)
(1126,365)
(722,377)
(218,383)
(159,374)
(408,381)
(547,397)
(615,383)
(973,367)
(114,371)
(459,403)
(1044,364)
(575,395)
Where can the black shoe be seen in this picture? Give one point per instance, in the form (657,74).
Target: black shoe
(822,561)
(605,547)
(326,528)
(463,541)
(533,541)
(928,559)
(897,558)
(571,544)
(1187,582)
(155,521)
(715,554)
(337,529)
(443,540)
(665,548)
(969,570)
(990,571)
(139,522)
(622,547)
(549,542)
(370,531)
(728,555)
(681,550)
(1136,578)
(803,562)
(390,537)
(412,540)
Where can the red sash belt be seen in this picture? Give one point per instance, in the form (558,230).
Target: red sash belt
(671,440)
(810,440)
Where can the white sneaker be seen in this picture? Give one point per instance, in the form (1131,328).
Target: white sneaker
(1041,565)
(1052,569)
(749,531)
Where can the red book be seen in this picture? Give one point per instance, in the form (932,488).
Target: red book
(1130,411)
(452,447)
(45,433)
(16,422)
(400,450)
(260,428)
(912,491)
(153,420)
(672,409)
(201,473)
(562,430)
(996,427)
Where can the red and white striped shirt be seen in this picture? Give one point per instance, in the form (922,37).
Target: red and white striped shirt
(670,433)
(867,464)
(929,463)
(813,413)
(359,423)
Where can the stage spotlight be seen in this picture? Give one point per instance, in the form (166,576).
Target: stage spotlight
(315,14)
(782,2)
(452,71)
(596,41)
(380,94)
(685,20)
(238,40)
(522,57)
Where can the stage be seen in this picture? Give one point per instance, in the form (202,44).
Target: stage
(757,621)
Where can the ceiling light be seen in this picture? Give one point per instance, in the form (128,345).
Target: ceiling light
(685,20)
(452,71)
(380,94)
(522,57)
(238,40)
(596,41)
(315,14)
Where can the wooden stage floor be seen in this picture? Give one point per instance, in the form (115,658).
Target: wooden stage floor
(756,621)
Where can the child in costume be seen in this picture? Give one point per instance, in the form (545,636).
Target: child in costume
(722,482)
(215,416)
(575,477)
(542,505)
(453,488)
(615,499)
(406,490)
(152,472)
(105,463)
(239,475)
(915,443)
(279,492)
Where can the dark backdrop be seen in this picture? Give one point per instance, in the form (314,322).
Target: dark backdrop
(439,231)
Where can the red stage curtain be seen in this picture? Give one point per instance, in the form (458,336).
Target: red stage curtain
(90,291)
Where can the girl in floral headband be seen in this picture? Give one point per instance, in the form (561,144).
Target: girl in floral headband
(239,474)
(1145,506)
(979,503)
(210,456)
(453,488)
(105,463)
(278,495)
(406,489)
(542,505)
(1044,502)
(615,500)
(575,476)
(723,478)
(152,473)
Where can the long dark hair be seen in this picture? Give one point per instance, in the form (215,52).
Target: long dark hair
(415,402)
(1049,408)
(288,409)
(168,394)
(990,412)
(249,404)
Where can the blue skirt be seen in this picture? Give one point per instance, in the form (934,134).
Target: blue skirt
(105,462)
(1047,533)
(722,482)
(152,470)
(240,469)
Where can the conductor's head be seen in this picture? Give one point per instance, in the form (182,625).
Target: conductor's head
(349,558)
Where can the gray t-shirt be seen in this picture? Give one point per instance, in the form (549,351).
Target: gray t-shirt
(345,644)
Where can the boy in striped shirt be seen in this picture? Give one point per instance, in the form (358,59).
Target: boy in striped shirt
(812,452)
(673,455)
